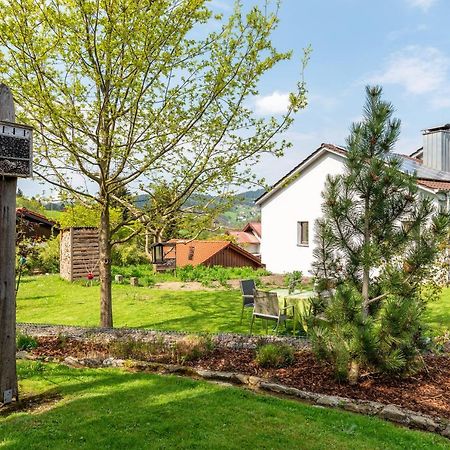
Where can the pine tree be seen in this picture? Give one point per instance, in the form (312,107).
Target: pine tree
(365,250)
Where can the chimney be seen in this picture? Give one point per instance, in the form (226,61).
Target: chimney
(436,148)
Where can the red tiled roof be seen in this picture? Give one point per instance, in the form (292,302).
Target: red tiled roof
(432,184)
(253,226)
(242,237)
(198,252)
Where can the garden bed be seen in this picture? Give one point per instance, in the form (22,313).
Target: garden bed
(427,392)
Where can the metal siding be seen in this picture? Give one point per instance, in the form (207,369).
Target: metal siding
(436,150)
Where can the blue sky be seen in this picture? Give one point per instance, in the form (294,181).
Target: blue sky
(404,45)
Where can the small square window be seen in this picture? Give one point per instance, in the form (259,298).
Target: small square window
(302,233)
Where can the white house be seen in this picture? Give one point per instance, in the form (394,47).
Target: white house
(291,207)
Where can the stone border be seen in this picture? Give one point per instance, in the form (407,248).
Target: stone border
(390,412)
(169,338)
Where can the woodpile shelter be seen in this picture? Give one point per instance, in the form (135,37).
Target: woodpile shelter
(32,225)
(180,253)
(79,253)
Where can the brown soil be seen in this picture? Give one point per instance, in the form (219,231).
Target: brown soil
(427,392)
(30,403)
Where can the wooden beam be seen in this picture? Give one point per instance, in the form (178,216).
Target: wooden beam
(8,188)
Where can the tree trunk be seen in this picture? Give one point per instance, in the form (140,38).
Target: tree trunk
(8,375)
(366,268)
(106,316)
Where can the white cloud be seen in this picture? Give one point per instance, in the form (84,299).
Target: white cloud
(275,103)
(419,70)
(425,5)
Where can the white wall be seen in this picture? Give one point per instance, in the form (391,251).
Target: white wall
(300,201)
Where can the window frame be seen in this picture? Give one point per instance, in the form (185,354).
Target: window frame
(300,233)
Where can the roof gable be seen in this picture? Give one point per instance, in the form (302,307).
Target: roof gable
(290,176)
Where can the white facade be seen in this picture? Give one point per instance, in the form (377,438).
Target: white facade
(299,201)
(297,198)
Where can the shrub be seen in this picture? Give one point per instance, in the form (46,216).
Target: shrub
(294,281)
(193,347)
(25,342)
(129,254)
(274,355)
(135,349)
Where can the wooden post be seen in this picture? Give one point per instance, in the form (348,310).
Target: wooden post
(8,187)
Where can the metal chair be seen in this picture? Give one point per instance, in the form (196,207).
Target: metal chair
(247,289)
(267,307)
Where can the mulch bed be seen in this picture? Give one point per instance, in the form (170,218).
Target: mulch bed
(426,392)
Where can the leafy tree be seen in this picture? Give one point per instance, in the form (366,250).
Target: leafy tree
(376,243)
(137,91)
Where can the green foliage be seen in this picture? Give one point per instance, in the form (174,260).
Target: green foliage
(129,254)
(42,256)
(193,347)
(389,340)
(206,274)
(25,342)
(383,272)
(294,281)
(136,349)
(274,355)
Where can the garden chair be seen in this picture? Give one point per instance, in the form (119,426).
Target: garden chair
(267,307)
(247,289)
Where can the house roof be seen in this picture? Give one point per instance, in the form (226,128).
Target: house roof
(198,252)
(253,226)
(34,216)
(282,182)
(243,237)
(427,178)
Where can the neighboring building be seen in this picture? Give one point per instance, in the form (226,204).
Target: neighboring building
(249,238)
(33,225)
(291,207)
(181,253)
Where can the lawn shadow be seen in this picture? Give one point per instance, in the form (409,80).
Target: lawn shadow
(113,409)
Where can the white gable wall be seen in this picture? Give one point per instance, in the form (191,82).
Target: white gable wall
(300,201)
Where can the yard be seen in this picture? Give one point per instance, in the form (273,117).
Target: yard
(48,299)
(109,408)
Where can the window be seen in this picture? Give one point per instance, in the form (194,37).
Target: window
(302,233)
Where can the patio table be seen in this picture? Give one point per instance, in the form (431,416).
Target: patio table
(297,298)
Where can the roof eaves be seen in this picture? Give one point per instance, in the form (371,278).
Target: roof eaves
(282,182)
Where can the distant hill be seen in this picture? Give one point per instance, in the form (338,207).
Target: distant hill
(242,211)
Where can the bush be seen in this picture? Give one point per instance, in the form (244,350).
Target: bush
(128,254)
(193,347)
(274,355)
(294,281)
(25,342)
(206,275)
(134,349)
(40,255)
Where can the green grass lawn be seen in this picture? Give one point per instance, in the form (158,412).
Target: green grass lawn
(113,409)
(438,313)
(49,299)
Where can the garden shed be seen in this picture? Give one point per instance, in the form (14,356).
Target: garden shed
(79,253)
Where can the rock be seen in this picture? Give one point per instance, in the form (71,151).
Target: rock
(254,381)
(446,431)
(331,400)
(22,354)
(393,413)
(91,362)
(113,362)
(423,422)
(119,279)
(72,362)
(363,407)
